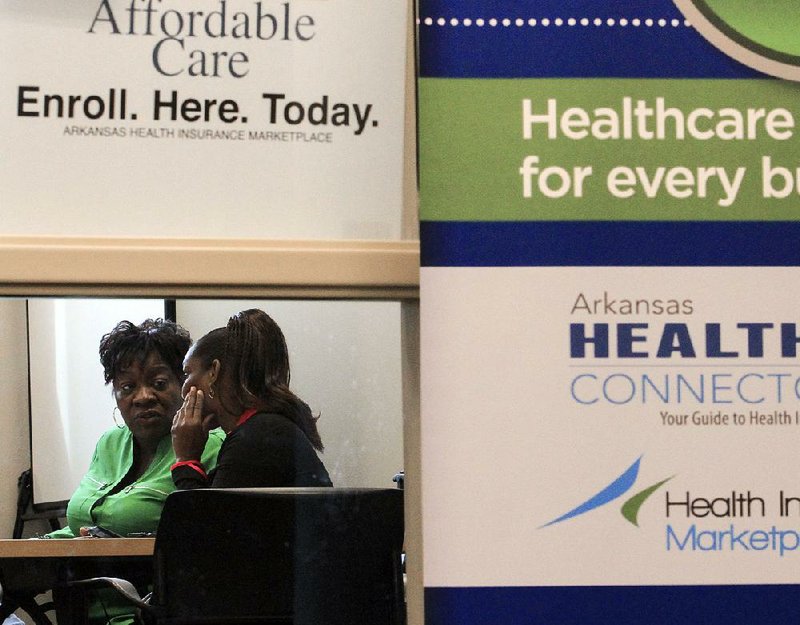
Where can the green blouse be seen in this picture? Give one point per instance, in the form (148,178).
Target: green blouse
(137,507)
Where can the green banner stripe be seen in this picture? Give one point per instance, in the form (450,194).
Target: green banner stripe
(472,147)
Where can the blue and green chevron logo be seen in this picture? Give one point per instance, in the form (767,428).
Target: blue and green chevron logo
(616,489)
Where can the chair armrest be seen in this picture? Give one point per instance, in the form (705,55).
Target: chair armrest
(122,586)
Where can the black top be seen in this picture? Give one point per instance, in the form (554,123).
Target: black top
(267,450)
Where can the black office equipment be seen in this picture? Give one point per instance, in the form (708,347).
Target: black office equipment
(307,556)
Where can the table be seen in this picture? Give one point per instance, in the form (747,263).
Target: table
(29,567)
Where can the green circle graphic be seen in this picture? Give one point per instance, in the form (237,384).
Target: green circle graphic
(763,35)
(771,28)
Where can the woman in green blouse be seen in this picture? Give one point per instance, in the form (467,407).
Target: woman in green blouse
(129,476)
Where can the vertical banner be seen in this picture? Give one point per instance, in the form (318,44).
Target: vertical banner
(610,196)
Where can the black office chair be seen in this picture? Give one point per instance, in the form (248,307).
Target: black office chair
(307,556)
(28,511)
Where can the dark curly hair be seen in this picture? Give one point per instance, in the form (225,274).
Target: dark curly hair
(128,343)
(254,358)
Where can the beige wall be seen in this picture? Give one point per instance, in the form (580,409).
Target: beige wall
(14,430)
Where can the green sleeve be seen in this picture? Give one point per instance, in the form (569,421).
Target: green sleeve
(64,532)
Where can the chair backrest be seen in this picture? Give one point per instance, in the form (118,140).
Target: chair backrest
(28,511)
(309,556)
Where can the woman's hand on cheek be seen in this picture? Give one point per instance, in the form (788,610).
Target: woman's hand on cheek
(189,428)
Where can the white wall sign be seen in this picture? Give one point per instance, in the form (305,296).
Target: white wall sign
(209,118)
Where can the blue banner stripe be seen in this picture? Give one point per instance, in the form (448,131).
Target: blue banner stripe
(614,605)
(601,42)
(607,243)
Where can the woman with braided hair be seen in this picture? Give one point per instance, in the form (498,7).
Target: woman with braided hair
(237,378)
